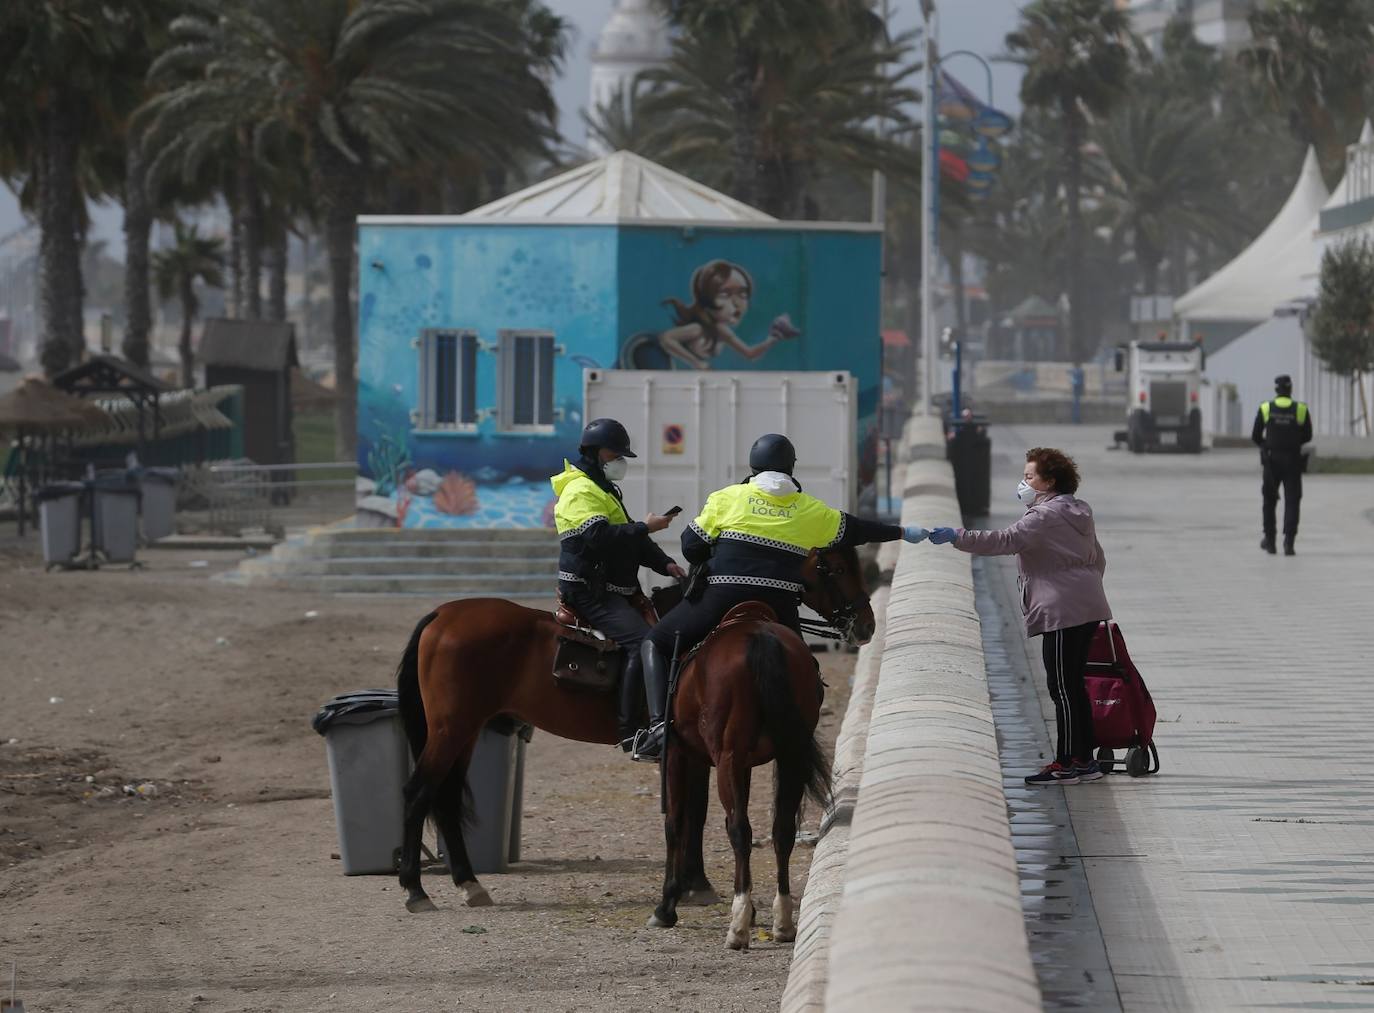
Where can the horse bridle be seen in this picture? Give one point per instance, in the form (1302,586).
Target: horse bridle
(840,619)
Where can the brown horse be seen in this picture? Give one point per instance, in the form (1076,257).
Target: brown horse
(470,661)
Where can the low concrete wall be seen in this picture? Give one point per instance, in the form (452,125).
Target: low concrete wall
(930,913)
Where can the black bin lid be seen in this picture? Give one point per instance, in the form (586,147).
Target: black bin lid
(58,490)
(358,707)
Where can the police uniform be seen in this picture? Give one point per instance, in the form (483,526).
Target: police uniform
(600,550)
(757,537)
(1282,426)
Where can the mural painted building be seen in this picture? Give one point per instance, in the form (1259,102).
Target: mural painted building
(474,330)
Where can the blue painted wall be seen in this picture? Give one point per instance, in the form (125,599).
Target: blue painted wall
(597,289)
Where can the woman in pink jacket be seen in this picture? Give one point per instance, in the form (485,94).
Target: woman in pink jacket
(1060,562)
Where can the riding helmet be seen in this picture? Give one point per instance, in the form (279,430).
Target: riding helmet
(608,434)
(773,452)
(1283,385)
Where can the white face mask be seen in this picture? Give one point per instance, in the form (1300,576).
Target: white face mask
(615,470)
(1026,493)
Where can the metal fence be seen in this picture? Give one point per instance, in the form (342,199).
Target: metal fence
(241,496)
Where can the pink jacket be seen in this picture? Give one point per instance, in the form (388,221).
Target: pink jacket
(1059,559)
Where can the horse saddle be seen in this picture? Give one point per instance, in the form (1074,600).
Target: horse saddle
(745,611)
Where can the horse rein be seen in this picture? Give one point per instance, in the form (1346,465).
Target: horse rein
(839,619)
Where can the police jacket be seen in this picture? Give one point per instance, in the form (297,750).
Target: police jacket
(1282,425)
(598,544)
(760,532)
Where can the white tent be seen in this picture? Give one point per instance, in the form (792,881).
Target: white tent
(1250,364)
(620,187)
(1277,266)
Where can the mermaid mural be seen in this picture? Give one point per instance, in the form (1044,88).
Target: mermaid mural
(721,293)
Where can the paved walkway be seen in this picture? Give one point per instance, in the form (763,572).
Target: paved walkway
(1241,876)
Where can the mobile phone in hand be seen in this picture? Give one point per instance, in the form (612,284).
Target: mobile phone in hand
(672,511)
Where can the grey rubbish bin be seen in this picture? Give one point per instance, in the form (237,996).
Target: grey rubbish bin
(158,488)
(493,836)
(369,762)
(114,516)
(59,520)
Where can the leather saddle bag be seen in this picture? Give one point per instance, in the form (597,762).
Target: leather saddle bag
(585,662)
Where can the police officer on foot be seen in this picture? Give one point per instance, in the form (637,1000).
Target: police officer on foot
(757,535)
(600,551)
(1281,427)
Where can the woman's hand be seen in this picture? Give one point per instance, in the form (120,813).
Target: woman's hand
(943,536)
(676,572)
(914,533)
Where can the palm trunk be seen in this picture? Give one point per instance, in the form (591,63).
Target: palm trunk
(60,242)
(744,106)
(235,254)
(138,222)
(188,312)
(341,194)
(1073,181)
(276,272)
(250,207)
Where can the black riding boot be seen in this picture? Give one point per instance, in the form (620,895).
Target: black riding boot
(648,744)
(631,683)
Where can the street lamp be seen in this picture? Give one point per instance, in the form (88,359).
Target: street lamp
(986,122)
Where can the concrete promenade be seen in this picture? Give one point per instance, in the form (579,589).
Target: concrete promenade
(1241,876)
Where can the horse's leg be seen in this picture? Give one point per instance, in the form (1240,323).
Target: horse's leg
(787,797)
(697,889)
(677,835)
(419,797)
(448,815)
(732,782)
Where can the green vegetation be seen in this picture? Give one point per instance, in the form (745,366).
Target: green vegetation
(1341,466)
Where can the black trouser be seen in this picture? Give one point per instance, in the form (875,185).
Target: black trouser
(1282,468)
(1066,660)
(694,619)
(613,615)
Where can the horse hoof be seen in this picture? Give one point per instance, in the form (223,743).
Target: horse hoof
(655,922)
(784,935)
(737,940)
(419,905)
(475,895)
(700,898)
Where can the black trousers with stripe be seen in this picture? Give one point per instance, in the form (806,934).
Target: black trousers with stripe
(694,619)
(1066,660)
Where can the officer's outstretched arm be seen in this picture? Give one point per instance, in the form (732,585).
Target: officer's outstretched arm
(859,531)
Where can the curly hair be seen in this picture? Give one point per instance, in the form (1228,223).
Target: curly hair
(1056,466)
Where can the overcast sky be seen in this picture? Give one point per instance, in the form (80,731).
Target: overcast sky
(979,25)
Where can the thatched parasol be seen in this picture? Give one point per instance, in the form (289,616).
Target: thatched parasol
(38,406)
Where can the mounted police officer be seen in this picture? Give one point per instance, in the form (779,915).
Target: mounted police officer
(757,535)
(1281,427)
(601,550)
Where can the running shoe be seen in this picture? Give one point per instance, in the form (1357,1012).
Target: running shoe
(1087,770)
(1054,773)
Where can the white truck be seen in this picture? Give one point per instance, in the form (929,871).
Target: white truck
(1163,388)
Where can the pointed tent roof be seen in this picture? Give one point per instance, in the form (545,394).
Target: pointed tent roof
(620,187)
(1273,268)
(1340,196)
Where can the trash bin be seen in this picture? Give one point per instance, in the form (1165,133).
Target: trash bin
(369,762)
(493,836)
(969,450)
(59,521)
(114,516)
(158,488)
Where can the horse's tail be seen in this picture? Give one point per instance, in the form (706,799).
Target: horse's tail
(798,753)
(408,690)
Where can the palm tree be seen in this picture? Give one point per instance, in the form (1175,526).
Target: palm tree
(815,118)
(63,89)
(755,42)
(190,259)
(364,87)
(1077,56)
(1315,59)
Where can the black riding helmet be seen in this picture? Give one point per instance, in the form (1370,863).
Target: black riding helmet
(1283,385)
(606,434)
(773,452)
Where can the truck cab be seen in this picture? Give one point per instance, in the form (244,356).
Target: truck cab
(1163,381)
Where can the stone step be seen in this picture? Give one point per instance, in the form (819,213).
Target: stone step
(458,566)
(412,549)
(432,585)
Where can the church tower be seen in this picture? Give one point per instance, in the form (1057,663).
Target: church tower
(636,38)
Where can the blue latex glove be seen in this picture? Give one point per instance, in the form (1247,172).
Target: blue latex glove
(914,533)
(943,536)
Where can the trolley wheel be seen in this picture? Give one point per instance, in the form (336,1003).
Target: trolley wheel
(1106,759)
(1137,761)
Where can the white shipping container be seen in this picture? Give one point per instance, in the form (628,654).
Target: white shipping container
(692,432)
